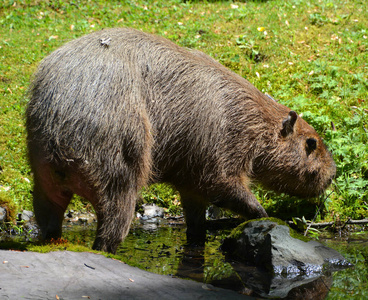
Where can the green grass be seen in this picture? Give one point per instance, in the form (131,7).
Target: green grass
(311,55)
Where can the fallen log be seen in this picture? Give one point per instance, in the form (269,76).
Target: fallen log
(328,224)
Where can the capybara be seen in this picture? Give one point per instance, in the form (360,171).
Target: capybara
(118,109)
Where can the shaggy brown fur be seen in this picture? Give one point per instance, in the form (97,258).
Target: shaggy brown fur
(118,109)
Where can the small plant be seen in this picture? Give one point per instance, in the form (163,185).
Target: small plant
(252,50)
(318,19)
(163,195)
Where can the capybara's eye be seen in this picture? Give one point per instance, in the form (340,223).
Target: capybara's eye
(312,144)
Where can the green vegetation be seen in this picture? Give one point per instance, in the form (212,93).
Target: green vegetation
(311,55)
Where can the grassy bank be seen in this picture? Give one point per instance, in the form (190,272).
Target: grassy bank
(311,55)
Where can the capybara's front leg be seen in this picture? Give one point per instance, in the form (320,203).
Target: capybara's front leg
(238,198)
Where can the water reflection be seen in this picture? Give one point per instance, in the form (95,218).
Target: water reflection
(259,283)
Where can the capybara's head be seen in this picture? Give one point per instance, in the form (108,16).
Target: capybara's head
(296,161)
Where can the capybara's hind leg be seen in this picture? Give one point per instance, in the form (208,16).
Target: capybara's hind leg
(49,203)
(114,218)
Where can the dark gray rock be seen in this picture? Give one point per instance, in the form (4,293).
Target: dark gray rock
(70,275)
(278,265)
(269,245)
(2,214)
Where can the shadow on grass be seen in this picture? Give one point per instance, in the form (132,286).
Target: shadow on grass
(13,245)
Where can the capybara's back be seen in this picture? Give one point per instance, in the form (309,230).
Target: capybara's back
(118,109)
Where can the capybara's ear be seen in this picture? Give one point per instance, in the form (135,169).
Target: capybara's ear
(288,123)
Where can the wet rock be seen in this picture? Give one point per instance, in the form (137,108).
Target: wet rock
(78,217)
(152,216)
(213,212)
(152,211)
(86,218)
(31,231)
(26,215)
(269,245)
(2,214)
(278,265)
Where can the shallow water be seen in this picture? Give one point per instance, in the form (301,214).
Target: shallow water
(351,283)
(161,248)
